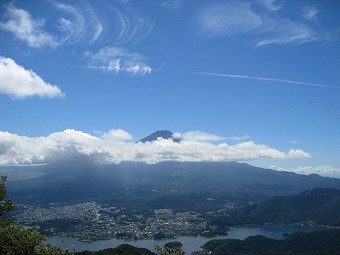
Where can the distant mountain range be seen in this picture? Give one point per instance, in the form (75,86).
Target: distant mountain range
(317,206)
(164,134)
(199,186)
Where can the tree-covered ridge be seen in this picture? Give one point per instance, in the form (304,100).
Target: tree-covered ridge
(124,249)
(17,240)
(317,206)
(315,243)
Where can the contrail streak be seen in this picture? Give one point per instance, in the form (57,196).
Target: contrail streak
(239,76)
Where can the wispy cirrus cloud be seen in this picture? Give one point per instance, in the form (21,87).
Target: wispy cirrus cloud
(174,5)
(240,76)
(78,22)
(271,5)
(230,18)
(118,60)
(122,23)
(281,31)
(72,146)
(258,26)
(18,82)
(310,13)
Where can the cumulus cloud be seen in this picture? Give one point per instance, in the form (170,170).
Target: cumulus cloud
(117,134)
(18,82)
(24,27)
(262,26)
(117,60)
(72,146)
(295,153)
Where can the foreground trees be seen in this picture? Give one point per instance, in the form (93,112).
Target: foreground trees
(17,240)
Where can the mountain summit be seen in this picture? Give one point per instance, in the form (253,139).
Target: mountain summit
(165,134)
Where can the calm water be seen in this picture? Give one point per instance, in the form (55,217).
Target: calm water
(190,244)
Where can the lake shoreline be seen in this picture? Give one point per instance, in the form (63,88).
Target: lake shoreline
(190,243)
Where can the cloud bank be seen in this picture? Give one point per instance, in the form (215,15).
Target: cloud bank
(323,170)
(71,146)
(18,82)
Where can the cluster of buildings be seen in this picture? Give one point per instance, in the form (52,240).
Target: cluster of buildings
(91,221)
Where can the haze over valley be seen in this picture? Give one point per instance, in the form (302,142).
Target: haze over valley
(139,122)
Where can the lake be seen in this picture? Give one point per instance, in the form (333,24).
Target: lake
(190,243)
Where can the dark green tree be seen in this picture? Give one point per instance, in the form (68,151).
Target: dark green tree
(17,240)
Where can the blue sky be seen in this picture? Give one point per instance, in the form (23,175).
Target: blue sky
(253,81)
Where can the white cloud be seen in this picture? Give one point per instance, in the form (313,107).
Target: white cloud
(118,59)
(72,23)
(79,22)
(20,23)
(117,134)
(295,153)
(281,31)
(260,27)
(323,170)
(18,82)
(71,146)
(114,22)
(310,13)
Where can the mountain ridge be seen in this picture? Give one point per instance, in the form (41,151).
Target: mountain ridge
(318,206)
(177,185)
(315,243)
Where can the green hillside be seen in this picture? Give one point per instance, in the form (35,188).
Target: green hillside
(315,243)
(124,249)
(317,206)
